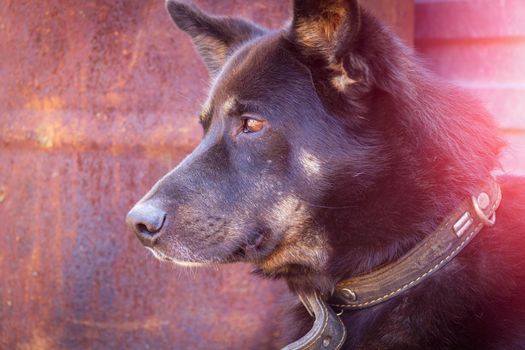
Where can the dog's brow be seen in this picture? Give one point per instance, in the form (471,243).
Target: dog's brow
(206,109)
(204,118)
(229,105)
(206,113)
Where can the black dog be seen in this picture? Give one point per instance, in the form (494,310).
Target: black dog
(330,152)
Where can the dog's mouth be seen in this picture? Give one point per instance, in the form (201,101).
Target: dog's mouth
(252,248)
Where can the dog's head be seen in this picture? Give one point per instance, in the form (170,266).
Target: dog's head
(297,130)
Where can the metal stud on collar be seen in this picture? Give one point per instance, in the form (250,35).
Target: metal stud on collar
(349,294)
(480,203)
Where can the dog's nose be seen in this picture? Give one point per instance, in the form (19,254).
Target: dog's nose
(146,221)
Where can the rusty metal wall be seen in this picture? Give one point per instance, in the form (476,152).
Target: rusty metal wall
(97,100)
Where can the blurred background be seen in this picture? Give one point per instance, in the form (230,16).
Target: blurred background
(98,99)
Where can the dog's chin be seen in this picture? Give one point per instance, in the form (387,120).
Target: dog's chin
(159,255)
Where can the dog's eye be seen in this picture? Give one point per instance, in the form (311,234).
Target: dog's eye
(251,125)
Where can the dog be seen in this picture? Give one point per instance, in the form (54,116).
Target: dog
(329,152)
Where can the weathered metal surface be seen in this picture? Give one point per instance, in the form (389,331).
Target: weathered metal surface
(97,101)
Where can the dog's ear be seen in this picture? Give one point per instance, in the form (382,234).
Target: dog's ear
(327,29)
(214,37)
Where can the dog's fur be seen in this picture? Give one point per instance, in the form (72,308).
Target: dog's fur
(362,152)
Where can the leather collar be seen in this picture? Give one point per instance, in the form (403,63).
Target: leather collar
(434,252)
(384,283)
(328,331)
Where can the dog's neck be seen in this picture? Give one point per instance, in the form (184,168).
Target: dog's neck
(375,231)
(386,223)
(452,235)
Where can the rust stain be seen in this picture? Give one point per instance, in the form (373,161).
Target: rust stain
(38,341)
(3,193)
(113,98)
(150,324)
(46,136)
(45,104)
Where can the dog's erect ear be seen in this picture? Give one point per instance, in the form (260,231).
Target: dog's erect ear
(326,27)
(214,37)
